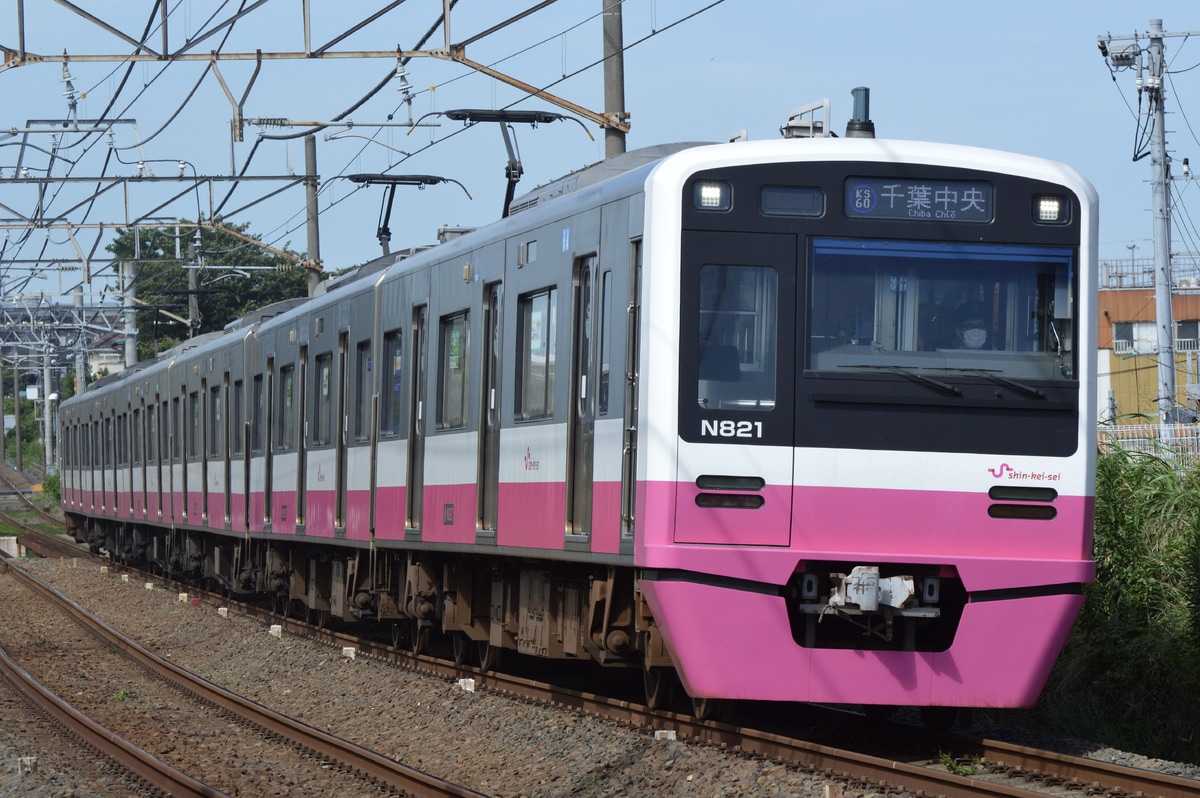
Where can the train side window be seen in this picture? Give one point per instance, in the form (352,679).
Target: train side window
(237,417)
(258,414)
(214,421)
(287,407)
(323,407)
(453,372)
(392,411)
(362,390)
(537,321)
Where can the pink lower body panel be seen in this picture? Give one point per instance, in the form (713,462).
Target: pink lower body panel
(735,644)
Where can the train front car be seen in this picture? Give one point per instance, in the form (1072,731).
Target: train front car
(868,448)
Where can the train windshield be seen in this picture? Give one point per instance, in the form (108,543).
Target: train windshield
(976,309)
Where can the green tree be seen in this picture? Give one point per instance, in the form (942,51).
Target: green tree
(223,292)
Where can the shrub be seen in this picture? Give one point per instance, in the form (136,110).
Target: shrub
(52,487)
(1128,676)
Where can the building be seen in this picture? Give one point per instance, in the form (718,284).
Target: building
(1128,339)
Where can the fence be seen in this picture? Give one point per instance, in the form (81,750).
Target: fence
(1176,441)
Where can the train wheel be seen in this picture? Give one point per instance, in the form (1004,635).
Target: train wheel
(659,686)
(705,708)
(418,640)
(462,645)
(486,655)
(397,635)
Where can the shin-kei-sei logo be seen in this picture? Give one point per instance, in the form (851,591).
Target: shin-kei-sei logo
(1024,476)
(531,464)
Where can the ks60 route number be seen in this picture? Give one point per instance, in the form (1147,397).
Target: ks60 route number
(712,428)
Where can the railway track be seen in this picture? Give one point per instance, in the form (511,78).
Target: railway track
(362,763)
(149,770)
(978,767)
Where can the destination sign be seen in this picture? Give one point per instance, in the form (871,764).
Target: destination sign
(919,200)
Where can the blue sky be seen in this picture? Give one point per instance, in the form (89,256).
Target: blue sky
(1020,76)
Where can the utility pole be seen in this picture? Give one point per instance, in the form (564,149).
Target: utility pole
(1150,65)
(193,270)
(314,230)
(614,78)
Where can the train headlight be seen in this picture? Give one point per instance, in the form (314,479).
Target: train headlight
(712,195)
(1051,209)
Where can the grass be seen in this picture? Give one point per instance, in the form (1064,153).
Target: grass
(1128,675)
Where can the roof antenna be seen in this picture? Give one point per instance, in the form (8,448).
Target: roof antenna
(860,125)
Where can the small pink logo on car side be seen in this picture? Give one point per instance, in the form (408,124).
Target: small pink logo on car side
(997,473)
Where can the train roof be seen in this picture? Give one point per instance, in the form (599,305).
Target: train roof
(597,173)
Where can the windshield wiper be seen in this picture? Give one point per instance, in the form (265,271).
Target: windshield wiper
(912,375)
(1020,386)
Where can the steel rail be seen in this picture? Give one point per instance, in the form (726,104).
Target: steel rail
(131,758)
(1087,773)
(358,759)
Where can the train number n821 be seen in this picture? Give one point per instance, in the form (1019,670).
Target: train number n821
(714,428)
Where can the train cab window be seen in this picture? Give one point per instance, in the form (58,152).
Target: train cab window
(986,310)
(287,407)
(537,320)
(453,372)
(391,411)
(362,390)
(323,406)
(237,418)
(738,337)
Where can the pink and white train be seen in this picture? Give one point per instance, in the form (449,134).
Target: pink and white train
(796,420)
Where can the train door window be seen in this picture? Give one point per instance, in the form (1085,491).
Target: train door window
(537,321)
(393,382)
(176,433)
(108,443)
(237,413)
(737,334)
(287,409)
(323,407)
(151,434)
(122,447)
(362,390)
(191,444)
(258,413)
(214,422)
(605,343)
(453,371)
(137,437)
